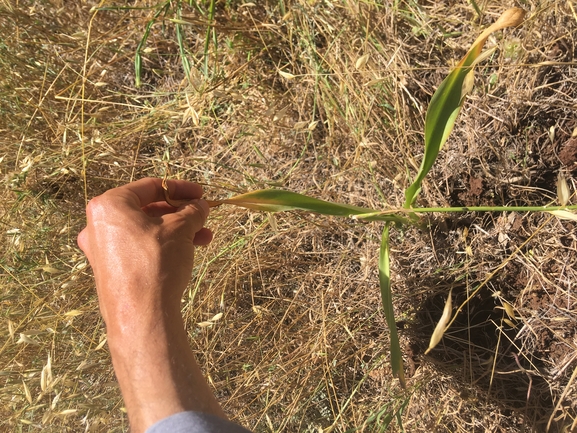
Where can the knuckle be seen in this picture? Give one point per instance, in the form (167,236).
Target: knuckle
(93,205)
(99,205)
(190,217)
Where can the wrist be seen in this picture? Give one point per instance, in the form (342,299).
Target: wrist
(138,308)
(148,365)
(153,327)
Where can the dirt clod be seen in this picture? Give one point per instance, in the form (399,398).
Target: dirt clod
(568,154)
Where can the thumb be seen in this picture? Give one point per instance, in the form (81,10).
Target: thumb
(82,241)
(189,219)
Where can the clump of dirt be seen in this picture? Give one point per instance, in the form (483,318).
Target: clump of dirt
(568,154)
(472,195)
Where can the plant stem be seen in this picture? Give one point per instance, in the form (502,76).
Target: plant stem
(491,209)
(385,215)
(209,29)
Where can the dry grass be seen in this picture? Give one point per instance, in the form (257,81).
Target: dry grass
(302,344)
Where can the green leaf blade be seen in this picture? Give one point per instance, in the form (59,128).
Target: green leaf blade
(276,200)
(447,101)
(443,110)
(387,300)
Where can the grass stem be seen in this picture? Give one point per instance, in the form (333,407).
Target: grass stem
(492,209)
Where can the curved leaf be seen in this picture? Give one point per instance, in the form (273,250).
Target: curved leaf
(442,324)
(277,200)
(387,299)
(448,100)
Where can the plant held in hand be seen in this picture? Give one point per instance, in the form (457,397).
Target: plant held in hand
(440,119)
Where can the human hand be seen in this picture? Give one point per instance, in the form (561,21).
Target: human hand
(141,249)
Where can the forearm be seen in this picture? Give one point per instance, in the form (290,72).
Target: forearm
(158,373)
(141,250)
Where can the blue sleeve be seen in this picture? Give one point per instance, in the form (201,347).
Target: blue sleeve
(195,422)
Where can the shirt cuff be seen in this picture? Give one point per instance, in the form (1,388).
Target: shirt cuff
(195,422)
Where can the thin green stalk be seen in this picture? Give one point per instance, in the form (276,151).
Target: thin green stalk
(138,54)
(209,29)
(196,5)
(181,45)
(477,9)
(492,209)
(380,215)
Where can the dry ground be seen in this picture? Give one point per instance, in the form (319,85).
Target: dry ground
(302,343)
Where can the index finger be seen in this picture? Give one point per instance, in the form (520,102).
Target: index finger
(149,190)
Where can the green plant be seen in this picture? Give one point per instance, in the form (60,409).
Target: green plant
(441,115)
(162,11)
